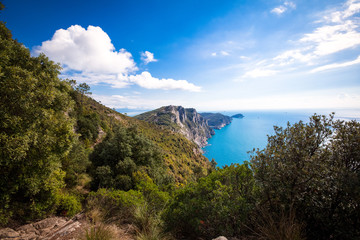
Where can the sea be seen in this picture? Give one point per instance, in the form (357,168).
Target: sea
(234,142)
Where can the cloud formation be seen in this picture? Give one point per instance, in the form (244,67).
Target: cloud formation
(336,65)
(138,102)
(148,57)
(87,55)
(88,50)
(338,31)
(258,72)
(145,80)
(283,8)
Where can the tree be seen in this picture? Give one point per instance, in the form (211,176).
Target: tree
(313,168)
(84,89)
(120,155)
(35,132)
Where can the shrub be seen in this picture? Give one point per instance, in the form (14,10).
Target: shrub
(68,205)
(314,168)
(216,205)
(148,225)
(114,205)
(100,232)
(120,155)
(267,225)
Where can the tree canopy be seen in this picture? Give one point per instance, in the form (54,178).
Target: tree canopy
(35,132)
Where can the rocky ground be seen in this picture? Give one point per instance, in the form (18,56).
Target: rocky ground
(59,228)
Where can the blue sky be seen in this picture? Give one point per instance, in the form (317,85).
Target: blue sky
(211,55)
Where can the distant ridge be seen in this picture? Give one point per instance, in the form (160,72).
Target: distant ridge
(239,115)
(216,120)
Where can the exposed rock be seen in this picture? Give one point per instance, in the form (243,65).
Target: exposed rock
(57,228)
(49,223)
(220,238)
(65,230)
(216,120)
(54,228)
(181,120)
(28,229)
(8,233)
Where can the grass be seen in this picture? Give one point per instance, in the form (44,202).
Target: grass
(101,232)
(277,226)
(148,224)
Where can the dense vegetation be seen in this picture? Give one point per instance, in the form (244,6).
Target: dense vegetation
(57,143)
(61,152)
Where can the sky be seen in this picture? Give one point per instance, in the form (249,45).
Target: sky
(212,55)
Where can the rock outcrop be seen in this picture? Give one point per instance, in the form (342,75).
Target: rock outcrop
(216,120)
(239,115)
(49,229)
(61,228)
(186,121)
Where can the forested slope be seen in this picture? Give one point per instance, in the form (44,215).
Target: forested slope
(57,143)
(62,153)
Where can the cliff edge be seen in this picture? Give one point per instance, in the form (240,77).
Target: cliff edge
(186,121)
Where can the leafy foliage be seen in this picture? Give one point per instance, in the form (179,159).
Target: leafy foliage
(216,205)
(314,168)
(68,204)
(35,133)
(120,155)
(307,179)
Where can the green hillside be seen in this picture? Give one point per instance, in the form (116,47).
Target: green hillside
(57,143)
(63,153)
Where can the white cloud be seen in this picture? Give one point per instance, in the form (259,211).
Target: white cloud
(283,8)
(338,31)
(145,80)
(336,65)
(88,50)
(148,57)
(137,102)
(220,53)
(87,55)
(330,39)
(291,56)
(224,53)
(259,72)
(279,10)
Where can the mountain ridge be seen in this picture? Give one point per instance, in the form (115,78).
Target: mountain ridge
(186,121)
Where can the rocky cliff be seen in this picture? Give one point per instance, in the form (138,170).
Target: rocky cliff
(216,120)
(186,121)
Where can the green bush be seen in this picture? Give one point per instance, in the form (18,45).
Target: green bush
(120,155)
(218,204)
(114,205)
(68,205)
(100,232)
(314,169)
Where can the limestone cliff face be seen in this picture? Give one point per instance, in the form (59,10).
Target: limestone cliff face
(216,120)
(182,120)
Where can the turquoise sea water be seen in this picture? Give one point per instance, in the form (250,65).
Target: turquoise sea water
(232,143)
